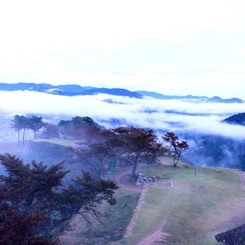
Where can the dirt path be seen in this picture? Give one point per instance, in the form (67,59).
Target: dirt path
(123,179)
(214,217)
(156,236)
(136,212)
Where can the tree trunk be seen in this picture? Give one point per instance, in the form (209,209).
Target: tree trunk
(23,136)
(18,137)
(135,164)
(176,160)
(134,170)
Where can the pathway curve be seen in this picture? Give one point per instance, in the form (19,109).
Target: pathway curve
(122,178)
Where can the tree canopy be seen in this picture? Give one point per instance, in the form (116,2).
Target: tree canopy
(34,195)
(136,142)
(21,123)
(79,128)
(175,147)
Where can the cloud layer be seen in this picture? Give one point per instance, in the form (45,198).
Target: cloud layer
(147,112)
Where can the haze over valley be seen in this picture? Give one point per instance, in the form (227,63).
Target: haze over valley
(195,118)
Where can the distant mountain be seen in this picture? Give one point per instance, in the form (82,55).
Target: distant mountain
(18,86)
(215,99)
(74,89)
(68,90)
(112,91)
(170,97)
(238,119)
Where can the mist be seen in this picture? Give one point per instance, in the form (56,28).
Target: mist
(197,122)
(175,115)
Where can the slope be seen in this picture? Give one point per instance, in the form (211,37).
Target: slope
(187,205)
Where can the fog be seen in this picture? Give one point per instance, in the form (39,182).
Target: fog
(197,122)
(147,112)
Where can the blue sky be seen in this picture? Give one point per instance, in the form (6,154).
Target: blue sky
(172,47)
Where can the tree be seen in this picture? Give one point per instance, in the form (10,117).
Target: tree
(155,150)
(135,142)
(84,121)
(29,187)
(97,156)
(80,128)
(50,131)
(88,194)
(35,197)
(35,123)
(19,123)
(17,227)
(27,198)
(175,147)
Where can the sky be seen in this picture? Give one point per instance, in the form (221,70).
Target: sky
(173,47)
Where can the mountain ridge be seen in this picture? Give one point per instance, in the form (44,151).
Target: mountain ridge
(67,89)
(214,99)
(75,89)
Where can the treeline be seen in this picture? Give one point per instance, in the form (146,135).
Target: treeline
(22,123)
(101,147)
(128,145)
(76,128)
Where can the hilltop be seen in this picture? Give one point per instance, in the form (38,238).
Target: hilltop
(187,205)
(238,119)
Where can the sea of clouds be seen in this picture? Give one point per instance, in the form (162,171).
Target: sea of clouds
(147,112)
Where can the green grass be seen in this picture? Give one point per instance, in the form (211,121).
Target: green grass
(200,204)
(115,222)
(152,213)
(195,209)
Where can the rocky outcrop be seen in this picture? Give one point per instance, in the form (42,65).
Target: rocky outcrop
(142,180)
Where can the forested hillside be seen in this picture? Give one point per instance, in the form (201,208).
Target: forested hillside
(238,119)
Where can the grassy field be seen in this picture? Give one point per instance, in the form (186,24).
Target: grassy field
(187,205)
(194,209)
(184,206)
